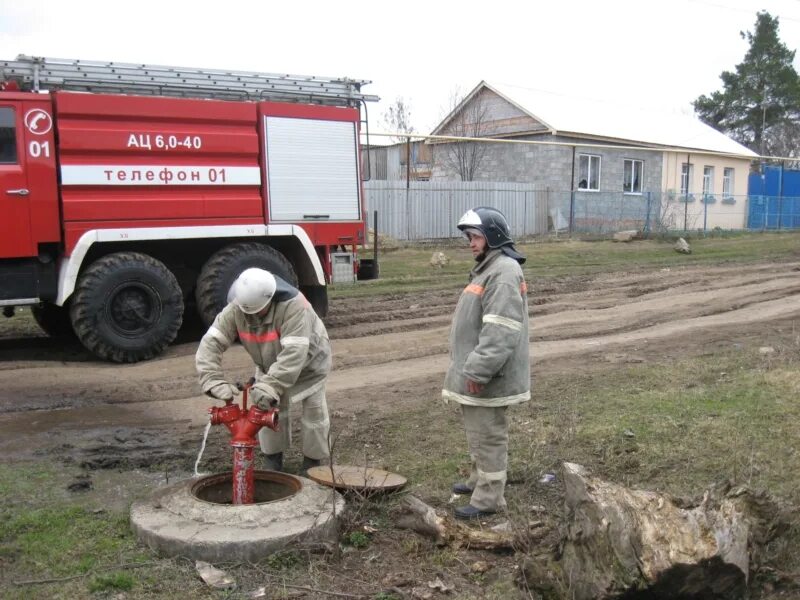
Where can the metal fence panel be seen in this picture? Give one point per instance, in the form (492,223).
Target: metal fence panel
(774,212)
(430,209)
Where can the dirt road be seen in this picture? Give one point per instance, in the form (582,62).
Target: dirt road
(54,395)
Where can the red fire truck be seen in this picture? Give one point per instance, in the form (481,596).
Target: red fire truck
(130,194)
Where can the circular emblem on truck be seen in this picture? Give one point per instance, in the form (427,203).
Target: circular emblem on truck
(38,121)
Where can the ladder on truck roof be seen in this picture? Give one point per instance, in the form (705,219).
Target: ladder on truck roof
(35,73)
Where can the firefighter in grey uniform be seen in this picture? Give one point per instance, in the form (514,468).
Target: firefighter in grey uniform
(489,357)
(289,345)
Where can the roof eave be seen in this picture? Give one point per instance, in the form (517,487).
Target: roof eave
(656,146)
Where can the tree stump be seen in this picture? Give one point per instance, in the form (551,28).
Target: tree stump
(623,543)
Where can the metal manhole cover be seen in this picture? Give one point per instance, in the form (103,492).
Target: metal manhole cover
(347,477)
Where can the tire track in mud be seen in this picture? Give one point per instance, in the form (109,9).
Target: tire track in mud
(361,317)
(48,395)
(770,310)
(189,411)
(617,313)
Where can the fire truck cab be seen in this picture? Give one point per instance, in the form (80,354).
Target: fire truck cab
(132,194)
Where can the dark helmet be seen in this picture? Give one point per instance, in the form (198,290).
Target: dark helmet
(494,227)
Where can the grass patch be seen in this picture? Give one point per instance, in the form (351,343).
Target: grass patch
(683,426)
(47,533)
(25,483)
(65,541)
(408,269)
(119,581)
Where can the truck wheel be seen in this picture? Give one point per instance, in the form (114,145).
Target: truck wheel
(53,319)
(221,270)
(127,307)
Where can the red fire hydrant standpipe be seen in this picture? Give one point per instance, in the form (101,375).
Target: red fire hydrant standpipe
(244,425)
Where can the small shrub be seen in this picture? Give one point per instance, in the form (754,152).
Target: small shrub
(357,539)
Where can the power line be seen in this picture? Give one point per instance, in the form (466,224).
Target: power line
(680,150)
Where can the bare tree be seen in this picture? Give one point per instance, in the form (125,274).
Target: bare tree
(397,118)
(783,141)
(471,120)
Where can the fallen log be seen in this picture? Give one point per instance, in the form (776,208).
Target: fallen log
(623,543)
(416,515)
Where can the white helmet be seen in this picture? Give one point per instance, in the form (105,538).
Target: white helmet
(252,290)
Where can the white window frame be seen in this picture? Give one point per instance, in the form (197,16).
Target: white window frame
(728,179)
(590,158)
(687,170)
(708,180)
(634,162)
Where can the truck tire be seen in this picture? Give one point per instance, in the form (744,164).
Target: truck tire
(126,307)
(54,320)
(221,270)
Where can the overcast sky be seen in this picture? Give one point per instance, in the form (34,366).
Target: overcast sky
(662,54)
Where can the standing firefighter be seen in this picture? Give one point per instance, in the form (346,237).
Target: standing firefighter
(289,345)
(490,363)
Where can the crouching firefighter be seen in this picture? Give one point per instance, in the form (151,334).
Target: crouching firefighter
(489,357)
(289,345)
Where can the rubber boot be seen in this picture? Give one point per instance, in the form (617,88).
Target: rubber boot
(310,462)
(470,512)
(461,488)
(273,462)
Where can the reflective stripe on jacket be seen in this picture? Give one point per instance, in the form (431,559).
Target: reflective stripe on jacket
(289,346)
(489,337)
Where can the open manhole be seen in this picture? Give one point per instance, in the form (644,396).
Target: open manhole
(195,517)
(269,486)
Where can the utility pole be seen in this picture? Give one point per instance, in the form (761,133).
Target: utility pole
(408,187)
(686,197)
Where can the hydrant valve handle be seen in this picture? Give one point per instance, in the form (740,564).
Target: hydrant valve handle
(243,386)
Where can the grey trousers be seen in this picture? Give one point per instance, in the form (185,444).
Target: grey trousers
(314,424)
(487,439)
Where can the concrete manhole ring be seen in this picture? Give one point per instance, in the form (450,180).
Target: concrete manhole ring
(176,522)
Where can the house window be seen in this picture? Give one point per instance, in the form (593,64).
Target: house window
(727,182)
(686,177)
(8,136)
(589,172)
(632,173)
(708,181)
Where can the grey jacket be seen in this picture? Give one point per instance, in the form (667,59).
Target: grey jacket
(489,337)
(289,346)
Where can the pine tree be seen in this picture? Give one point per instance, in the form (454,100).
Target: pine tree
(759,105)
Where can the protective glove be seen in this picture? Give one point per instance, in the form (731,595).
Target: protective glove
(223,391)
(263,396)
